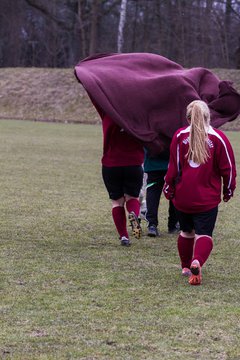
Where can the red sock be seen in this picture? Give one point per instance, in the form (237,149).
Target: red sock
(185,250)
(202,249)
(119,218)
(133,205)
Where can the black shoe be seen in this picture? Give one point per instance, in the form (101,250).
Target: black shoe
(153,231)
(174,230)
(125,241)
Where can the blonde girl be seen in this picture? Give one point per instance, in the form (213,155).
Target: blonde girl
(201,169)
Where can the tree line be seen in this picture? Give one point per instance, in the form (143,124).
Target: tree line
(59,33)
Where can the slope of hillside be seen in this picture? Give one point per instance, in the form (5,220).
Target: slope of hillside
(44,94)
(55,95)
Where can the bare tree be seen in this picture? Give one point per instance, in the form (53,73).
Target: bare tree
(122,20)
(58,33)
(134,25)
(80,26)
(94,25)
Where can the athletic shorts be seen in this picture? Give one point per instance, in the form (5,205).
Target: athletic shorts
(203,223)
(121,180)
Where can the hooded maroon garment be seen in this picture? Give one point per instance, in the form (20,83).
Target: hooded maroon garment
(147,94)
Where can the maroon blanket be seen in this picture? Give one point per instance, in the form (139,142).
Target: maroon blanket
(147,94)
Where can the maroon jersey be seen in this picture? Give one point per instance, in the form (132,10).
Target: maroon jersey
(119,148)
(198,188)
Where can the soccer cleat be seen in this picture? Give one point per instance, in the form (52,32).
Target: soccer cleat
(196,277)
(135,225)
(186,272)
(153,231)
(125,241)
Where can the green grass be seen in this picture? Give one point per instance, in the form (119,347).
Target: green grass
(68,289)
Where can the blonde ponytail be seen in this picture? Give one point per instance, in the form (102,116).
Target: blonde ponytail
(199,117)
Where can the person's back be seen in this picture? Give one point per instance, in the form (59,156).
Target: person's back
(119,147)
(201,161)
(123,176)
(199,188)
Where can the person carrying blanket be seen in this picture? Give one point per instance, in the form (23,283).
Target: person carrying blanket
(146,96)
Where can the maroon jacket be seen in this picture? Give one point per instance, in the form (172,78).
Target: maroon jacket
(198,188)
(119,148)
(147,94)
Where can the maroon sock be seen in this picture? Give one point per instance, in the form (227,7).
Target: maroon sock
(202,249)
(185,250)
(119,218)
(133,205)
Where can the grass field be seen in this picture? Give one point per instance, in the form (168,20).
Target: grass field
(70,291)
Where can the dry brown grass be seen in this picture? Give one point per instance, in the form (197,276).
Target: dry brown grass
(44,94)
(234,76)
(55,95)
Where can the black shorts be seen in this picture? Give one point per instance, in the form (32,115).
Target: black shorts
(120,180)
(203,223)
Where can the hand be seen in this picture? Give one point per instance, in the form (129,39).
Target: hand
(168,191)
(227,195)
